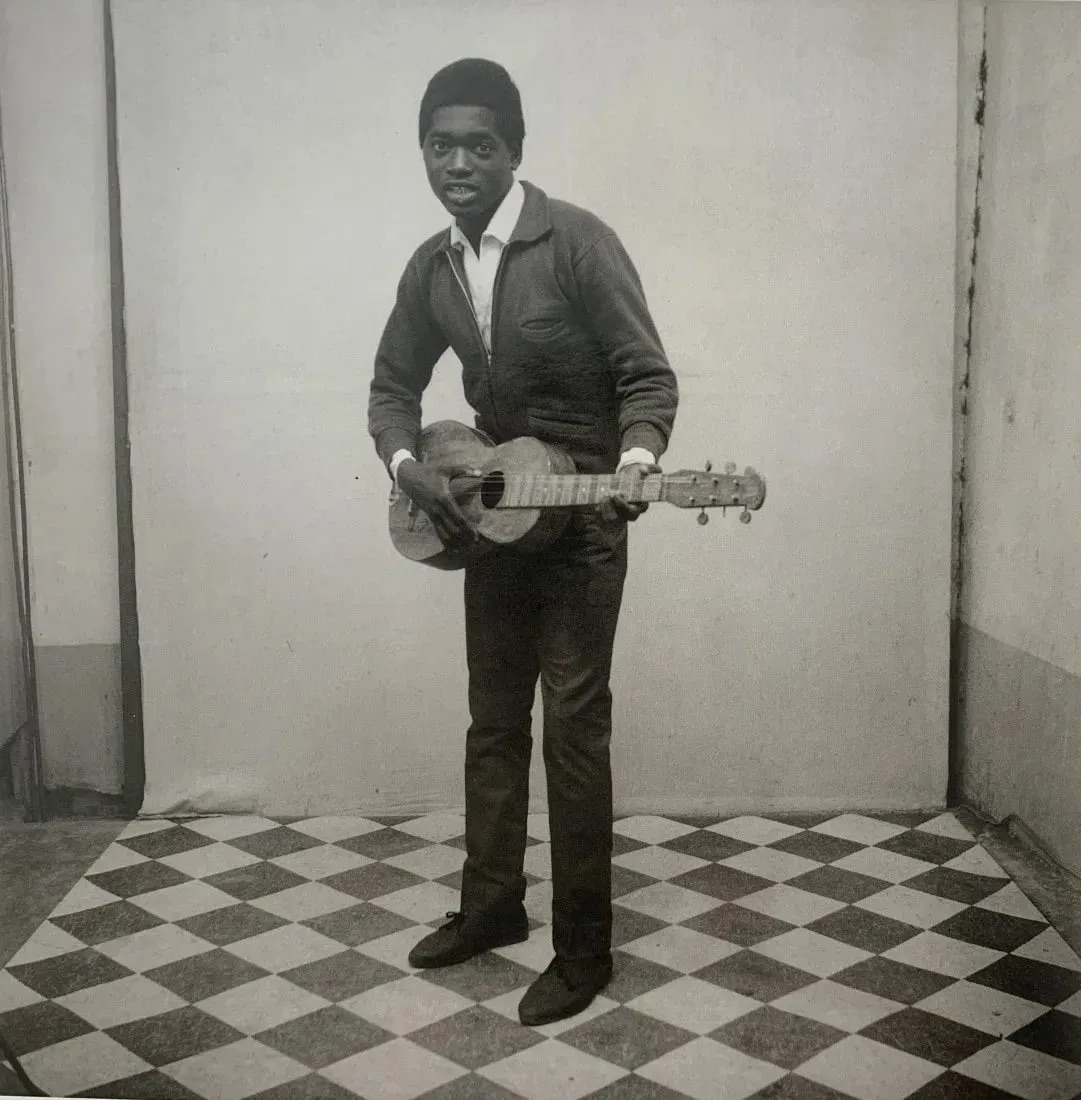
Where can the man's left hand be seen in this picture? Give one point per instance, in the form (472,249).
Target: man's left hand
(617,506)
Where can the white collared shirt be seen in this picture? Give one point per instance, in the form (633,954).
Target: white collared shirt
(480,270)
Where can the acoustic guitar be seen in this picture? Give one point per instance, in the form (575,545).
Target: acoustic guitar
(519,494)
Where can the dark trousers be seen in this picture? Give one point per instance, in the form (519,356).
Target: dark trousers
(551,615)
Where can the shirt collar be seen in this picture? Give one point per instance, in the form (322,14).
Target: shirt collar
(503,220)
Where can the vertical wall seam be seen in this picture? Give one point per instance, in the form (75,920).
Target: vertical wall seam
(131,683)
(960,419)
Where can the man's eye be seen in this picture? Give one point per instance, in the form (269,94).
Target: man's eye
(439,146)
(485,149)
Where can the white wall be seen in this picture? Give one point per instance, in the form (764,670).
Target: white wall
(52,88)
(1021,602)
(784,176)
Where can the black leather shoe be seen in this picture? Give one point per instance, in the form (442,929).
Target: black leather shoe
(566,988)
(468,935)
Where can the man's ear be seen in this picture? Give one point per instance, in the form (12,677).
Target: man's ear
(516,160)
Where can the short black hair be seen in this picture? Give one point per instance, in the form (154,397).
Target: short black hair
(476,82)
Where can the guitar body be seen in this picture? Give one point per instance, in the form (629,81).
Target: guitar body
(450,446)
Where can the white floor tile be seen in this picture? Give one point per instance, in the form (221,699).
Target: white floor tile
(707,1070)
(1072,1005)
(552,1071)
(398,1070)
(538,860)
(406,1005)
(878,863)
(209,860)
(650,829)
(333,829)
(946,825)
(1028,1073)
(186,899)
(790,903)
(230,827)
(82,896)
(862,1068)
(693,1004)
(754,830)
(1050,947)
(427,901)
(112,1004)
(305,902)
(859,829)
(943,955)
(317,863)
(668,902)
(394,949)
(983,1008)
(47,942)
(536,952)
(79,1065)
(259,1005)
(976,861)
(658,863)
(837,1005)
(807,950)
(13,994)
(1012,902)
(435,827)
(155,947)
(538,901)
(770,863)
(285,947)
(681,949)
(234,1071)
(433,861)
(115,858)
(911,906)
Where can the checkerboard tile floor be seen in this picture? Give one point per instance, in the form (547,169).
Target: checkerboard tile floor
(791,957)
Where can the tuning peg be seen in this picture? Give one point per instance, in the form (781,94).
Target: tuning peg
(703,519)
(745,516)
(729,467)
(709,465)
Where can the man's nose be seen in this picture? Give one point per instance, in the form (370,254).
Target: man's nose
(459,164)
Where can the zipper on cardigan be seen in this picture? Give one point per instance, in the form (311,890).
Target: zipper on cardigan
(476,324)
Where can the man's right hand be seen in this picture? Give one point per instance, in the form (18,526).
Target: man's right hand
(429,488)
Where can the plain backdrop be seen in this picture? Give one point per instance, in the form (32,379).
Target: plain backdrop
(784,176)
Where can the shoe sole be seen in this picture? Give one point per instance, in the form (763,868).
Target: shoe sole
(517,937)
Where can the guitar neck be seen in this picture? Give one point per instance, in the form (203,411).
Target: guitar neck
(578,490)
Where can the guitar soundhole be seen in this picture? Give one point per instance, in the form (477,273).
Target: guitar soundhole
(492,489)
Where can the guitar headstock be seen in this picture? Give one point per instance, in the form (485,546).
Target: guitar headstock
(708,489)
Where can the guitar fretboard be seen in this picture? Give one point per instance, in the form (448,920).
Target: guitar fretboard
(571,490)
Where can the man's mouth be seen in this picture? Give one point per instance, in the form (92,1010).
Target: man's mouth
(460,192)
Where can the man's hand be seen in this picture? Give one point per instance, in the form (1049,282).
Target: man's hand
(617,506)
(429,489)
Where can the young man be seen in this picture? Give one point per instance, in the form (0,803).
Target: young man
(542,305)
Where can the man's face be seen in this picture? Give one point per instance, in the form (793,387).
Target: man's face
(470,167)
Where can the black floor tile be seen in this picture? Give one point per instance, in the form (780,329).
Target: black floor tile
(342,976)
(324,1037)
(206,975)
(863,929)
(779,1037)
(63,974)
(626,1038)
(475,1037)
(1056,1033)
(896,981)
(928,1036)
(173,1036)
(756,975)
